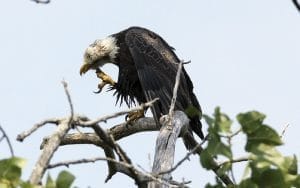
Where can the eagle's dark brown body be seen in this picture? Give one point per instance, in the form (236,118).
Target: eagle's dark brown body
(147,70)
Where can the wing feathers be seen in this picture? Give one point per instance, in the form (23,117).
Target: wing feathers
(156,64)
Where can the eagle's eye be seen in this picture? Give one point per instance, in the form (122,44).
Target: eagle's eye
(88,56)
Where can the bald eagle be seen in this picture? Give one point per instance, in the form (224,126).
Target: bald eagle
(147,70)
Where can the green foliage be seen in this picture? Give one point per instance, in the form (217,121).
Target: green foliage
(257,133)
(11,171)
(64,180)
(266,166)
(218,124)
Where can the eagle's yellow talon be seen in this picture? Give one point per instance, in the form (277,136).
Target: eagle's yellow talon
(133,116)
(106,79)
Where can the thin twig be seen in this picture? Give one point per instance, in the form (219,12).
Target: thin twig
(186,157)
(36,126)
(2,137)
(82,120)
(53,144)
(65,84)
(241,159)
(231,135)
(177,80)
(124,157)
(107,117)
(92,160)
(41,2)
(232,175)
(8,141)
(283,131)
(297,5)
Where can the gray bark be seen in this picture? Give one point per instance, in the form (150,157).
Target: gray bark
(165,148)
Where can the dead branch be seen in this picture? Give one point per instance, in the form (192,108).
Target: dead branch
(172,125)
(186,157)
(177,80)
(83,121)
(284,130)
(122,167)
(35,127)
(118,132)
(107,117)
(106,139)
(52,145)
(165,146)
(81,161)
(297,5)
(4,136)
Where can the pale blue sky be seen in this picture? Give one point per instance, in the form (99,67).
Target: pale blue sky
(245,55)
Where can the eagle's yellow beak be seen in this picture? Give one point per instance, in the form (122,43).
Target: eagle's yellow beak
(84,68)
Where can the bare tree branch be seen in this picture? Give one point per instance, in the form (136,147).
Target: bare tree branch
(35,127)
(52,145)
(165,146)
(65,84)
(83,121)
(186,157)
(168,134)
(297,5)
(7,140)
(177,80)
(106,140)
(118,132)
(91,160)
(122,167)
(107,117)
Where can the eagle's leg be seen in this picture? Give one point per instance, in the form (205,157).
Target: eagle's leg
(133,116)
(106,79)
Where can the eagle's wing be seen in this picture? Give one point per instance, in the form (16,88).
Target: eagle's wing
(156,64)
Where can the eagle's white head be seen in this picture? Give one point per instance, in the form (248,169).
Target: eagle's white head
(99,53)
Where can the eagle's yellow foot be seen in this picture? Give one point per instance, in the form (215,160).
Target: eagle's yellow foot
(106,79)
(133,116)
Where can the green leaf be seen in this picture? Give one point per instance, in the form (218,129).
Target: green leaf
(28,185)
(256,131)
(216,147)
(11,170)
(5,183)
(263,156)
(250,121)
(50,183)
(271,178)
(247,183)
(296,183)
(263,134)
(64,179)
(206,159)
(209,120)
(222,121)
(291,165)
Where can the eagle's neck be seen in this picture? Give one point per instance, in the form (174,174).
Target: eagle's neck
(110,44)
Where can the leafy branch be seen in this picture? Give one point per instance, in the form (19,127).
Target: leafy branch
(265,165)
